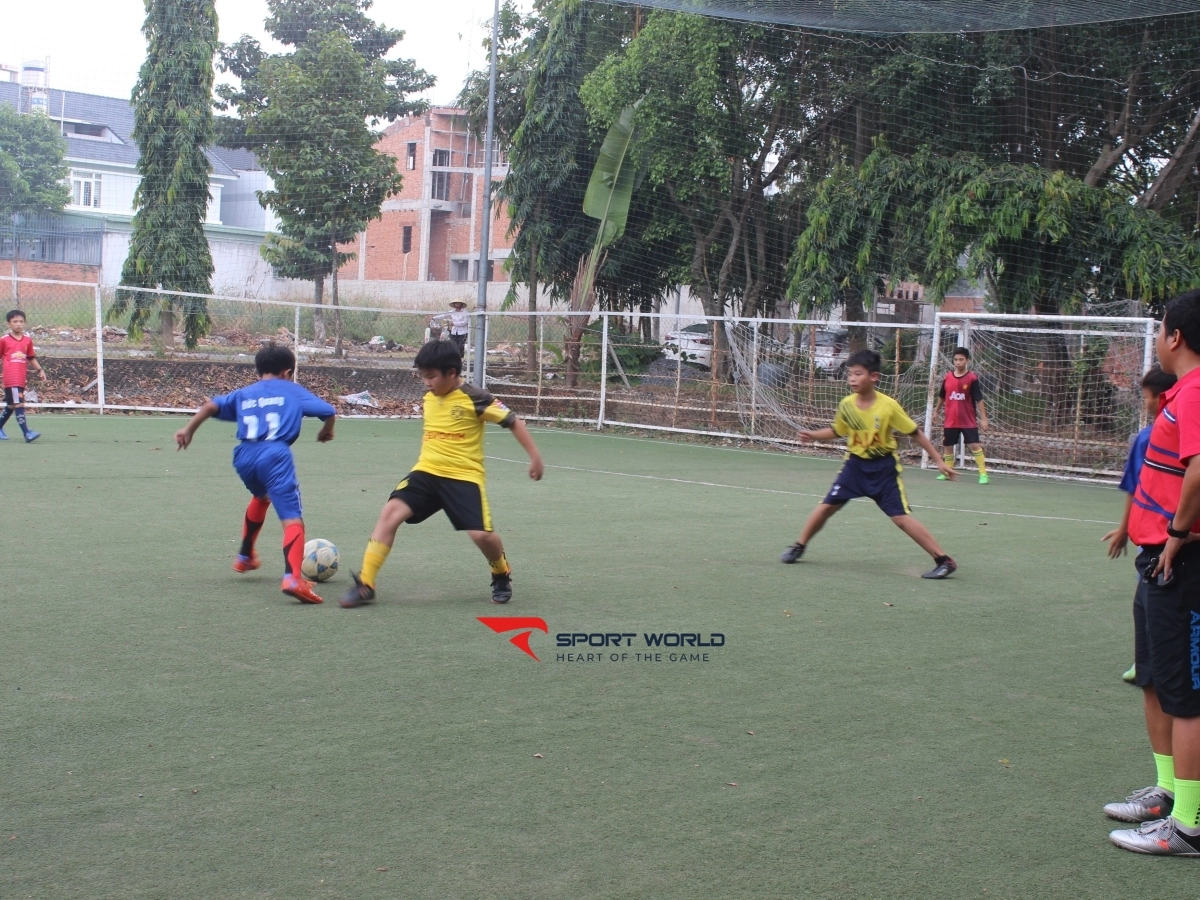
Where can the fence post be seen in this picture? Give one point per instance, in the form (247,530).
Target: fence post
(754,380)
(537,408)
(296,343)
(603,369)
(1147,361)
(481,349)
(935,351)
(99,349)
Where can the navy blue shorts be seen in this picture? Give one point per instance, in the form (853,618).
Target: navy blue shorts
(268,470)
(878,479)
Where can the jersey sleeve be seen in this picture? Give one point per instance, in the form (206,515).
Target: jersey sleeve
(1133,461)
(840,426)
(976,389)
(227,407)
(942,390)
(313,406)
(489,408)
(30,353)
(1187,415)
(901,422)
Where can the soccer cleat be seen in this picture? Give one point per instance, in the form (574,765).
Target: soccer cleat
(1130,675)
(792,554)
(1160,837)
(300,589)
(944,569)
(942,478)
(502,588)
(983,479)
(31,436)
(1145,805)
(246,563)
(3,436)
(358,595)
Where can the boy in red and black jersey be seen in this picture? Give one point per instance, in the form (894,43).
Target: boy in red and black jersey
(16,352)
(961,395)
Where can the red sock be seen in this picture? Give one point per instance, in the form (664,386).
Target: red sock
(293,549)
(256,514)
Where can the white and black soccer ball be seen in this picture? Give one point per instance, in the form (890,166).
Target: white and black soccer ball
(320,560)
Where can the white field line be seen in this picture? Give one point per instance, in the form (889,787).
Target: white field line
(742,487)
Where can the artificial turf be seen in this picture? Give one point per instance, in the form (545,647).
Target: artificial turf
(171,729)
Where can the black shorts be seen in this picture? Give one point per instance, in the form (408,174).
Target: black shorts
(878,479)
(1173,634)
(1141,640)
(14,396)
(464,502)
(950,436)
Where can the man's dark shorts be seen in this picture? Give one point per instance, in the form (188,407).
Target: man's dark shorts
(950,436)
(14,396)
(1173,634)
(464,502)
(878,479)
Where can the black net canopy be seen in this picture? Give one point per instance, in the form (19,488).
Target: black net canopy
(931,16)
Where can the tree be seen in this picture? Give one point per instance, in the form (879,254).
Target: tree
(172,125)
(32,172)
(308,114)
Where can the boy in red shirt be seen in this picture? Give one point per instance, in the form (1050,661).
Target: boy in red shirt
(961,393)
(16,352)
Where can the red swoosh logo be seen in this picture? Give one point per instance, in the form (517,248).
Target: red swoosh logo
(523,624)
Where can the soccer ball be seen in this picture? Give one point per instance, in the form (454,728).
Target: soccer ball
(320,560)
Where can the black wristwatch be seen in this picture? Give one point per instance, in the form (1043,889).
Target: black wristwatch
(1176,533)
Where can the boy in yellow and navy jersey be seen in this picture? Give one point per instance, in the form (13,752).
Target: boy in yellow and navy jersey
(869,420)
(449,473)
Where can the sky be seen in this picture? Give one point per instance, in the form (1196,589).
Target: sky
(96,46)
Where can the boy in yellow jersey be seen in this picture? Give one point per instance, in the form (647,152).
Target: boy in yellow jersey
(868,420)
(449,473)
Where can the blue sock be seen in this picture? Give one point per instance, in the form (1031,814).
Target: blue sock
(21,420)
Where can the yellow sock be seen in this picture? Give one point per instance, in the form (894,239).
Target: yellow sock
(978,454)
(948,458)
(373,561)
(499,566)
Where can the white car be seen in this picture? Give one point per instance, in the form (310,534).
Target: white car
(692,344)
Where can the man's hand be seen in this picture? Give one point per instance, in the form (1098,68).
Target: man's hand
(983,423)
(950,474)
(536,468)
(1116,540)
(183,437)
(325,435)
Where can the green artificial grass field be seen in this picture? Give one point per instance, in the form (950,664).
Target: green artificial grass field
(173,730)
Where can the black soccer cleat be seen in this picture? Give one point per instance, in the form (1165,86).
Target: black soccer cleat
(502,588)
(359,595)
(792,554)
(943,569)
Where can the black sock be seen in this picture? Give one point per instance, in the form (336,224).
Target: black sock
(21,420)
(941,559)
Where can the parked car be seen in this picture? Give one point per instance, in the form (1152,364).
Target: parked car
(692,344)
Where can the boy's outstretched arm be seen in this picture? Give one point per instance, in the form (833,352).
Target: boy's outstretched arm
(183,436)
(927,445)
(821,434)
(525,439)
(1119,536)
(326,433)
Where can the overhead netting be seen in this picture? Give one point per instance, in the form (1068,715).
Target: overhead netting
(698,212)
(911,16)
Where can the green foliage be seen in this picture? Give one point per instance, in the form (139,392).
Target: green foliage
(1038,239)
(614,179)
(308,115)
(172,126)
(32,172)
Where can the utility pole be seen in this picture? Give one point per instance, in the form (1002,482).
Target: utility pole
(480,342)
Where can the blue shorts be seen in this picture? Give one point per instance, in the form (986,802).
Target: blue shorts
(878,479)
(268,470)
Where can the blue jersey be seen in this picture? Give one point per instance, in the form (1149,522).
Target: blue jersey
(1133,462)
(271,410)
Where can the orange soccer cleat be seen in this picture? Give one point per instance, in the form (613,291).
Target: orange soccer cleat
(302,590)
(246,563)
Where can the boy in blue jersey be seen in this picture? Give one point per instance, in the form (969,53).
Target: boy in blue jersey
(269,414)
(1154,382)
(868,421)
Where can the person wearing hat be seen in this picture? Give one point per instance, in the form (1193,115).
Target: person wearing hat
(459,323)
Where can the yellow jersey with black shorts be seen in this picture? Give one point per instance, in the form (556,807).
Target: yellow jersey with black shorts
(449,473)
(871,467)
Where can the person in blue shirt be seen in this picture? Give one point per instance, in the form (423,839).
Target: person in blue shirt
(1154,382)
(269,414)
